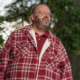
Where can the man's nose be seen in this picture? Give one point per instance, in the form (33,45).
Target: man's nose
(47,15)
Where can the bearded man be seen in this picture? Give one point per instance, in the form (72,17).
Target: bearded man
(34,53)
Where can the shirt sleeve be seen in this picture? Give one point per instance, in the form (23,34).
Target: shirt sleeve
(66,72)
(4,57)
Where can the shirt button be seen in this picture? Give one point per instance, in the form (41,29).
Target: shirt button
(36,35)
(35,73)
(38,38)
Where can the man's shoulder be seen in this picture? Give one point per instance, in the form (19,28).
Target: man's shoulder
(55,38)
(21,31)
(57,42)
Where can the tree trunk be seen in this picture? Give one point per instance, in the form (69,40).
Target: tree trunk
(72,58)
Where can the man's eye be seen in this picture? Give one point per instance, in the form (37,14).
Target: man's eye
(42,12)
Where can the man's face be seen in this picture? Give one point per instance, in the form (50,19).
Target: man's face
(44,21)
(42,18)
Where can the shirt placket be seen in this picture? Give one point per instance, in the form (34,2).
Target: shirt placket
(36,53)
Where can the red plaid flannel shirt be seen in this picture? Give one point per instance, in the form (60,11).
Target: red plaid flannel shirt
(18,60)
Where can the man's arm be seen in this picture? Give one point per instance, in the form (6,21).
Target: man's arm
(66,72)
(4,57)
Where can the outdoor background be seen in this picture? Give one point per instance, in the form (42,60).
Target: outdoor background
(65,24)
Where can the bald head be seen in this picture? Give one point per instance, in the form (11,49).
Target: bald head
(35,8)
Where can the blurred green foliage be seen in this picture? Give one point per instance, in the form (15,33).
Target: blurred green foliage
(67,26)
(1,38)
(2,18)
(17,10)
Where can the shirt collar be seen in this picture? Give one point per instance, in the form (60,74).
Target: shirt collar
(48,33)
(45,34)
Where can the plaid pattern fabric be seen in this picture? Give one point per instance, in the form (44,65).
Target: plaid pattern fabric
(19,59)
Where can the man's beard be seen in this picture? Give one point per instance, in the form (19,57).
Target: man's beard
(42,26)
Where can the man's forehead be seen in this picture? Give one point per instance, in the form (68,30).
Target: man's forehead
(42,7)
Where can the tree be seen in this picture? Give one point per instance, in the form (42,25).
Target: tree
(17,10)
(68,22)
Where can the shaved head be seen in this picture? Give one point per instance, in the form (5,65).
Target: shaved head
(37,6)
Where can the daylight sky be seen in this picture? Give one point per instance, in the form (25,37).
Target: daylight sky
(6,2)
(2,4)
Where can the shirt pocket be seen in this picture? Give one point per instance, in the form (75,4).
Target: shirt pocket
(24,49)
(53,64)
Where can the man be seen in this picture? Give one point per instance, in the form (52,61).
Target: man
(34,53)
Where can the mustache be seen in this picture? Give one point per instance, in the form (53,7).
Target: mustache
(45,18)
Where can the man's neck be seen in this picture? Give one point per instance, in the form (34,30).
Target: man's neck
(37,31)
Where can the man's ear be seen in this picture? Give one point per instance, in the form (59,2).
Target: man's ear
(32,17)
